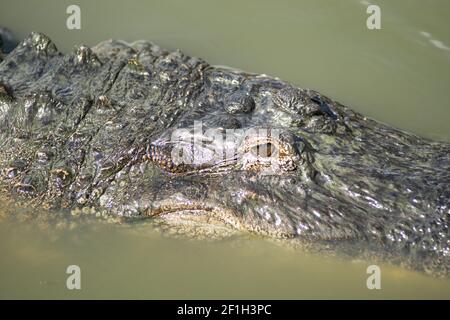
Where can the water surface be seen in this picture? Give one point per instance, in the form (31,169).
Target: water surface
(398,75)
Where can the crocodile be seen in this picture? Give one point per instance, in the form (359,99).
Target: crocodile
(146,134)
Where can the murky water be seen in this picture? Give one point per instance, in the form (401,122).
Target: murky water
(399,75)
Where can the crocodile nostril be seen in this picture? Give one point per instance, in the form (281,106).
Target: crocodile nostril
(324,107)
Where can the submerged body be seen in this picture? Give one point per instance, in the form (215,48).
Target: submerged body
(98,128)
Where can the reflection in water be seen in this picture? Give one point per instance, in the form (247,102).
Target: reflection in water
(387,74)
(437,43)
(135,261)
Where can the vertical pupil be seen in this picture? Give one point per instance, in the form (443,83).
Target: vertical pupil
(264,150)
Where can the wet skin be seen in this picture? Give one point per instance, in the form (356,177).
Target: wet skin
(94,129)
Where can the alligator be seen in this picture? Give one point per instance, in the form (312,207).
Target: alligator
(145,134)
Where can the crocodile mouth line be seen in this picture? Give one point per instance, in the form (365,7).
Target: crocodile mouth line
(197,147)
(210,214)
(208,211)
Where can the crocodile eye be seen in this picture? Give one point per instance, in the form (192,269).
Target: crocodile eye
(264,150)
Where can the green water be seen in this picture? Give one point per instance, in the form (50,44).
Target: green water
(398,75)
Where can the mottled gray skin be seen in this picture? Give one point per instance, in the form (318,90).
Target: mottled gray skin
(91,129)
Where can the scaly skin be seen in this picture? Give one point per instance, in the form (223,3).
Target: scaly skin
(92,129)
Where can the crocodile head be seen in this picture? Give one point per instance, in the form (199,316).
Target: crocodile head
(255,153)
(141,132)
